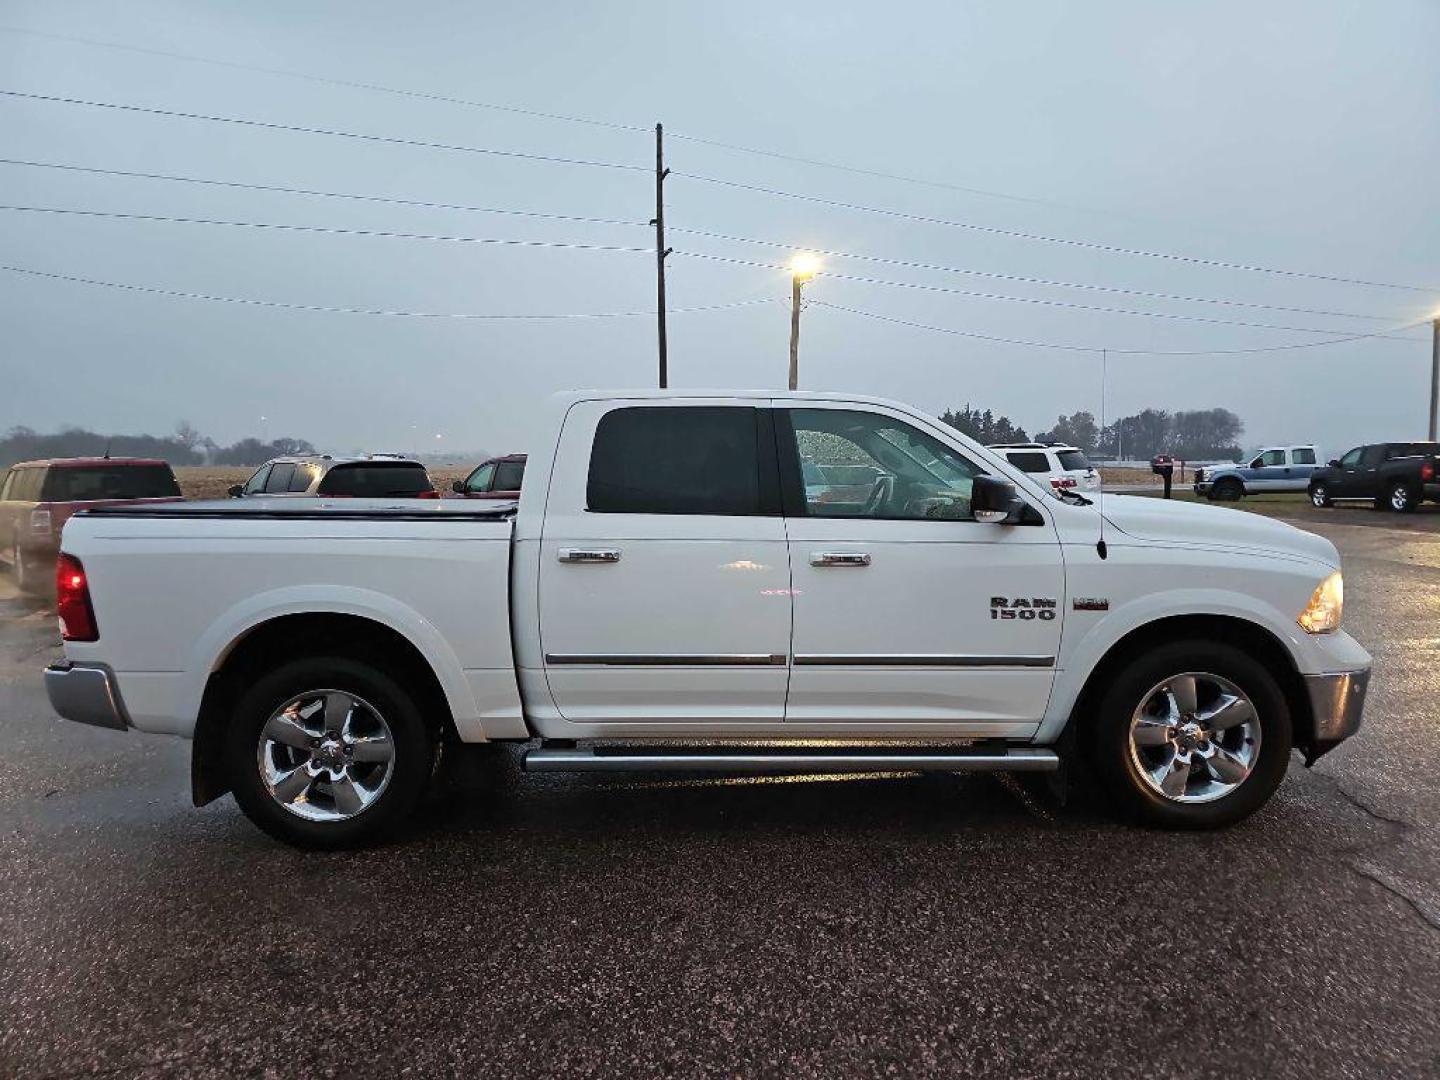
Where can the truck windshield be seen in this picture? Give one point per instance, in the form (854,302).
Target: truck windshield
(89,483)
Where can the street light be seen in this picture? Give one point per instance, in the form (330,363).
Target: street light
(803,268)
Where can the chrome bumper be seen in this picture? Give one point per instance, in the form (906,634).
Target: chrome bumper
(1337,701)
(87,694)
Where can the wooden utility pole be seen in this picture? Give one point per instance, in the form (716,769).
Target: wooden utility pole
(1434,376)
(661,251)
(795,332)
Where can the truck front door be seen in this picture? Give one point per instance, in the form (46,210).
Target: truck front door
(664,573)
(907,610)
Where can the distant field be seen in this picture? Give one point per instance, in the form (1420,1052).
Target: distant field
(1109,475)
(207,482)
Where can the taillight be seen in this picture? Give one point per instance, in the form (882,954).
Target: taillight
(1062,481)
(72,601)
(431,494)
(40,522)
(1427,472)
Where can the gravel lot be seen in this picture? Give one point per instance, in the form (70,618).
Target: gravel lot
(532,925)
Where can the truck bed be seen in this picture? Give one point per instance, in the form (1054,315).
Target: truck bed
(175,587)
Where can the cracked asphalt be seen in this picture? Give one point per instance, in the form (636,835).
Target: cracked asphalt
(873,926)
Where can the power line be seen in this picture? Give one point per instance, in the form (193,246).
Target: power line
(290,73)
(1069,305)
(251,302)
(534,113)
(267,125)
(829,253)
(1021,278)
(1016,234)
(738,185)
(334,230)
(699,140)
(1100,349)
(276,189)
(564,245)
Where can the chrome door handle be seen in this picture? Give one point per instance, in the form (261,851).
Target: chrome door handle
(839,558)
(590,555)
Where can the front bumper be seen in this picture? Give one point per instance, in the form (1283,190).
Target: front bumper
(1202,487)
(1337,703)
(87,694)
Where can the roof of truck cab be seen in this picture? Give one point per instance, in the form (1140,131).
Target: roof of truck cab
(568,397)
(85,462)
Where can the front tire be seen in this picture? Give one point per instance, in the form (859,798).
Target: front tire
(1192,735)
(1320,495)
(1229,490)
(328,752)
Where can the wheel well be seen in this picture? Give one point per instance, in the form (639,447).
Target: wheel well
(286,638)
(1254,639)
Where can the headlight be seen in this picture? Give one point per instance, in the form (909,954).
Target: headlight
(1322,614)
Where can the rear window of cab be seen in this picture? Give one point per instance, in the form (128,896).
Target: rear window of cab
(91,483)
(376,480)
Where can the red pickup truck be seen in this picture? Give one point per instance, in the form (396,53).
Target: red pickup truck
(38,497)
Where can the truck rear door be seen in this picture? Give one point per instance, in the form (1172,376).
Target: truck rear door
(664,574)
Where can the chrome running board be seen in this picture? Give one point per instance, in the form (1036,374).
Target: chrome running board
(783,759)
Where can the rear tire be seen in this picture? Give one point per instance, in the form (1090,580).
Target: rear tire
(1320,495)
(1399,497)
(1228,490)
(328,752)
(1167,752)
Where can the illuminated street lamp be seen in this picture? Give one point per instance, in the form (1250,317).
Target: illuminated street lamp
(803,267)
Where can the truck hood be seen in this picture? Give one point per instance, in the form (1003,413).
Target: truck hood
(1199,525)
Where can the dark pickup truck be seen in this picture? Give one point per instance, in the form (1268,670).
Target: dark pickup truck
(1395,476)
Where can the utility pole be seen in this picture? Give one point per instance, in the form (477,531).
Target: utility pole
(661,251)
(1434,375)
(795,332)
(802,268)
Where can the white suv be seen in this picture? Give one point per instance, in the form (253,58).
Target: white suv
(1064,466)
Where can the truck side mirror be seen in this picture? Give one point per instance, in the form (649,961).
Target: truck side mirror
(993,501)
(1334,463)
(457,486)
(235,491)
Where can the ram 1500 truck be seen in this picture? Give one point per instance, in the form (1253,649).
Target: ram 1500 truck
(670,594)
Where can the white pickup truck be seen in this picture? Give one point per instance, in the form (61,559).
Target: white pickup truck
(670,594)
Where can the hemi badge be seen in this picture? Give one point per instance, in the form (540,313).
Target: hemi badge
(1091,603)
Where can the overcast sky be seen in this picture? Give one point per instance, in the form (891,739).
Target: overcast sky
(1298,135)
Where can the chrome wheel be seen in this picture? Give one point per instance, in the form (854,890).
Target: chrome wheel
(326,755)
(1194,738)
(1400,498)
(1318,495)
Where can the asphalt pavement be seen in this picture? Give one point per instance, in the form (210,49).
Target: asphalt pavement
(611,926)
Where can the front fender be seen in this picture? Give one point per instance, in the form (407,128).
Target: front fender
(1082,653)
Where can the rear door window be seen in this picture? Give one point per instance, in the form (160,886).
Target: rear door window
(303,478)
(1030,461)
(508,475)
(376,480)
(702,459)
(90,483)
(281,474)
(1302,455)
